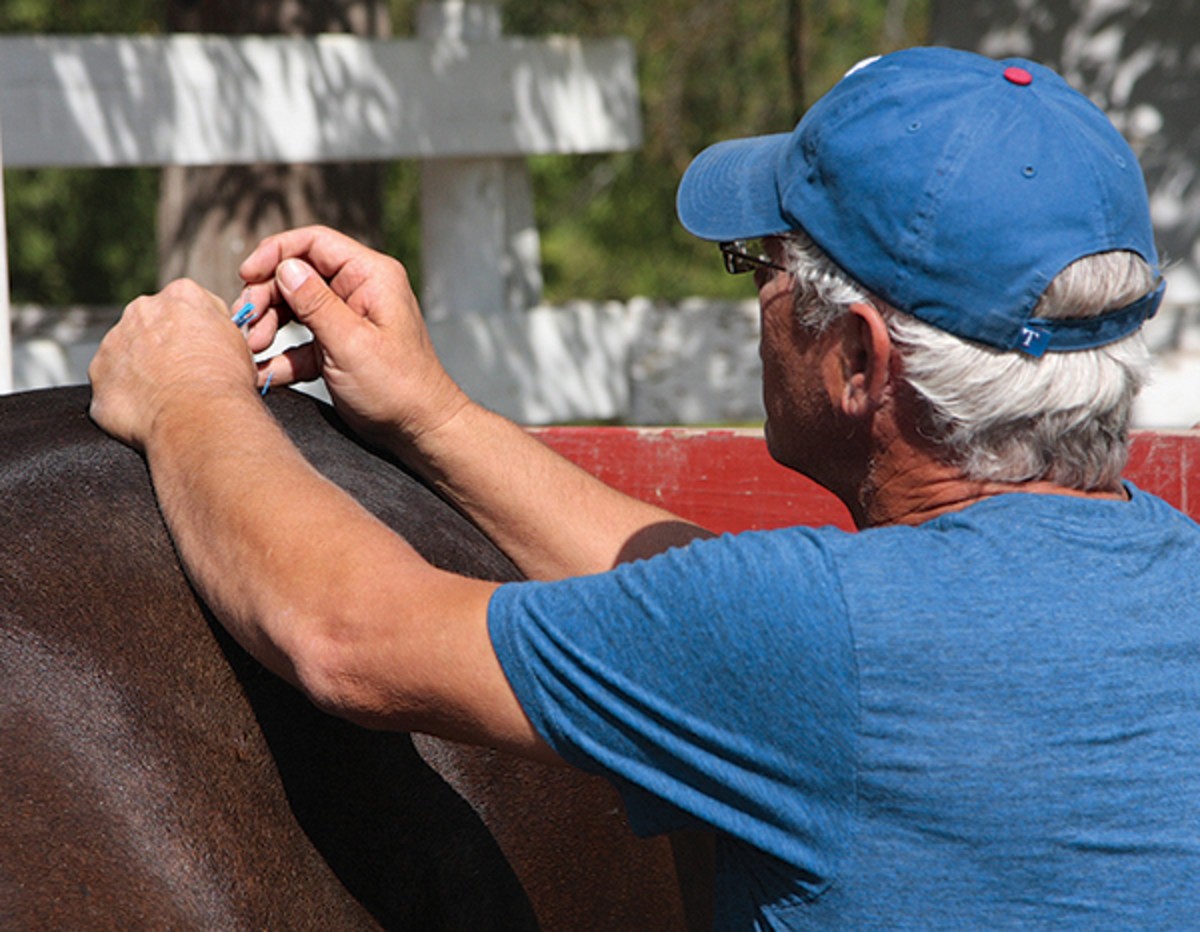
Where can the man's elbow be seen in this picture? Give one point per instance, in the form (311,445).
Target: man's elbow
(335,666)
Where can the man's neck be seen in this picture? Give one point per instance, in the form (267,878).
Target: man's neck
(907,482)
(899,500)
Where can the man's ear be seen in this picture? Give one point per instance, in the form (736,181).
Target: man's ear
(866,359)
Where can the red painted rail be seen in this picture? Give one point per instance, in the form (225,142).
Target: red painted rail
(726,481)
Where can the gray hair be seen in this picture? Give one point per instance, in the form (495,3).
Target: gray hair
(1004,416)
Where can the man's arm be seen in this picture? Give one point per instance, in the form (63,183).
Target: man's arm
(552,518)
(370,344)
(305,579)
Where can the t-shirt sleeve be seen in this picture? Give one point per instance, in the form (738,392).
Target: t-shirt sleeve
(713,682)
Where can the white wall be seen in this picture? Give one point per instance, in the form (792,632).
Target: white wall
(643,362)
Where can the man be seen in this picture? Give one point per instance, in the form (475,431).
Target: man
(982,710)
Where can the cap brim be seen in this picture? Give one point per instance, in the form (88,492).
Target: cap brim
(730,191)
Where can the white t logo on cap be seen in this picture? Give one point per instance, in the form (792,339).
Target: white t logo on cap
(1034,341)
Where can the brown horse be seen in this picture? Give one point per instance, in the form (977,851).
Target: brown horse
(152,775)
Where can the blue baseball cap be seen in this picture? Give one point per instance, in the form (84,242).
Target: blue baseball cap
(953,186)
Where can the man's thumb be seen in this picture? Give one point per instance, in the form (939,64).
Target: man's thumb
(310,298)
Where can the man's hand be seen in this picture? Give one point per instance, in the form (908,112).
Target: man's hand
(178,347)
(374,351)
(370,343)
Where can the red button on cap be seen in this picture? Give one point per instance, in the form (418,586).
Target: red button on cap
(1018,76)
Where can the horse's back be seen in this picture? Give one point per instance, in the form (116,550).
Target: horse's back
(137,787)
(155,775)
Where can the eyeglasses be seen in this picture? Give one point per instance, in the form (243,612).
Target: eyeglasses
(746,255)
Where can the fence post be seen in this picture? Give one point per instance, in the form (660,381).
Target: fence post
(6,356)
(480,247)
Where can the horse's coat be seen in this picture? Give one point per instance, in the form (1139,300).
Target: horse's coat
(153,775)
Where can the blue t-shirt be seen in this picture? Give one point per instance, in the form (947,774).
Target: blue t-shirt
(991,720)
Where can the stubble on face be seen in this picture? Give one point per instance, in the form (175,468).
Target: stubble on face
(805,429)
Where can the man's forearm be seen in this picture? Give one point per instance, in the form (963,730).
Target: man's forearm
(552,518)
(320,591)
(227,480)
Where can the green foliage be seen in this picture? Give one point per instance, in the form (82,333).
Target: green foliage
(81,236)
(708,70)
(81,16)
(401,233)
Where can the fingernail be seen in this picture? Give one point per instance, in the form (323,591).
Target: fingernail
(293,273)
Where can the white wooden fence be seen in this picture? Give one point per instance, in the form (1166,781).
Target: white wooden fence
(467,102)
